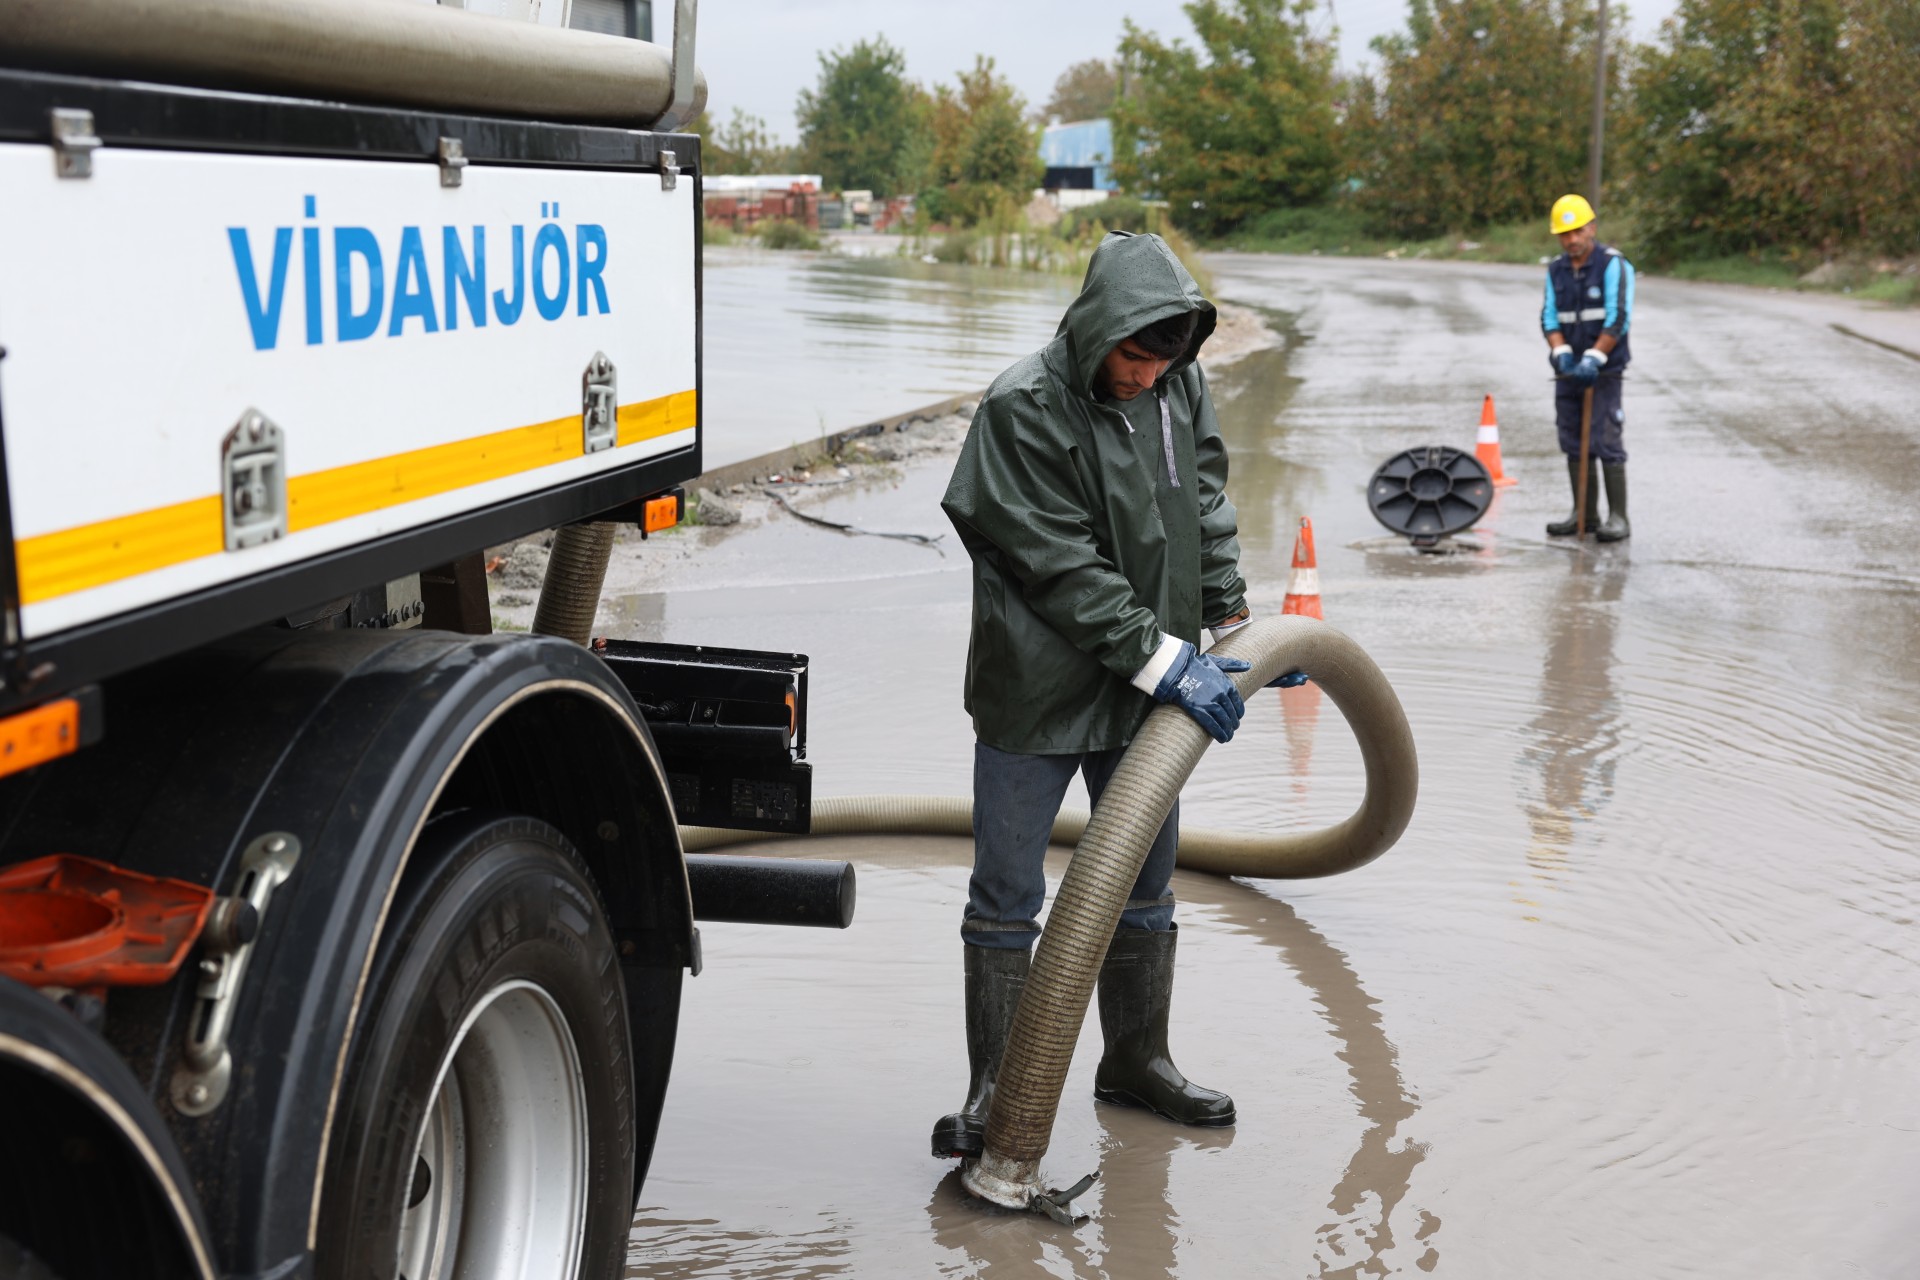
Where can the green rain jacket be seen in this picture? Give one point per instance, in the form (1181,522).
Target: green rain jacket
(1091,534)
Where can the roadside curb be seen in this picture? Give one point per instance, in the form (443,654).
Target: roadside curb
(1875,342)
(780,461)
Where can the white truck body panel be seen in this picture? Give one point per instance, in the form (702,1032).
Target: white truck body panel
(146,308)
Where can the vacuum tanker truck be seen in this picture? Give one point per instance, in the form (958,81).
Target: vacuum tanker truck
(340,936)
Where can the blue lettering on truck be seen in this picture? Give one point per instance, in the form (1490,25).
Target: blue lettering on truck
(389,286)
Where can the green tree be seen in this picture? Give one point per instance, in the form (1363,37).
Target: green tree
(1880,157)
(1480,114)
(1084,91)
(861,126)
(743,145)
(1241,124)
(1779,124)
(985,157)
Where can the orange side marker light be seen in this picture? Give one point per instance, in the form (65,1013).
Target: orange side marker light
(43,733)
(661,513)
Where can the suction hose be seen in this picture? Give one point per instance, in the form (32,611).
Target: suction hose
(576,570)
(1086,911)
(1113,843)
(1336,663)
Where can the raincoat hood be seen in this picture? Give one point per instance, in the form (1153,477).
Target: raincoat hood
(1132,281)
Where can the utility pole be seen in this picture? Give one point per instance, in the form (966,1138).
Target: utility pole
(1599,107)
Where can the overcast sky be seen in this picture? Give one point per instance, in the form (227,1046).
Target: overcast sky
(759,54)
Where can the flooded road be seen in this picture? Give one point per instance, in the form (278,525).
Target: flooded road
(1636,995)
(802,344)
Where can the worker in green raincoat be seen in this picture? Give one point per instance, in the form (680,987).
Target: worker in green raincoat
(1091,495)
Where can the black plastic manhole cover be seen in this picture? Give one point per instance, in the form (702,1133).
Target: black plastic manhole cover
(1430,492)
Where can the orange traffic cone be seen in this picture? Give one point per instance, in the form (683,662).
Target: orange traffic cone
(1488,447)
(1303,588)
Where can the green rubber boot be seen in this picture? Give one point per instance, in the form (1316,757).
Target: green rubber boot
(1565,528)
(1616,528)
(995,978)
(1136,992)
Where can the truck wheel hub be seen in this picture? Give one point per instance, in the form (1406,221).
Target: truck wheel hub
(499,1181)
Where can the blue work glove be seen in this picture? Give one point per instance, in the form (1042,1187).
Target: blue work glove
(1587,372)
(1292,680)
(1198,684)
(1563,361)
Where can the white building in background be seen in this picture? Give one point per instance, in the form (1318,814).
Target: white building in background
(1079,160)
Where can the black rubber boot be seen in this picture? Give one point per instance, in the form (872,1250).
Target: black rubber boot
(1616,528)
(1565,528)
(1136,991)
(995,978)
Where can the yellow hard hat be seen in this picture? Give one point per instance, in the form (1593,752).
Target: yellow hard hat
(1570,213)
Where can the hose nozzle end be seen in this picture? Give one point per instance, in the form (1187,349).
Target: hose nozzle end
(1015,1184)
(1011,1184)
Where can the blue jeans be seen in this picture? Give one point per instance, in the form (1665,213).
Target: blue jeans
(1015,800)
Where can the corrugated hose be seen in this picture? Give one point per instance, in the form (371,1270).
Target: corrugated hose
(576,570)
(1113,844)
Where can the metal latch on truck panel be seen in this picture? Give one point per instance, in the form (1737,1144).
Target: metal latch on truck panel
(599,405)
(669,171)
(253,466)
(74,142)
(205,1071)
(452,155)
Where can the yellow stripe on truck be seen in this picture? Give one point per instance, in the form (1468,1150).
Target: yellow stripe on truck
(52,565)
(650,418)
(58,564)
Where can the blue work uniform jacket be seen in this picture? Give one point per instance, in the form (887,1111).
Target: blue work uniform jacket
(1596,299)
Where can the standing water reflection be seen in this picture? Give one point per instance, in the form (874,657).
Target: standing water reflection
(802,344)
(1699,1061)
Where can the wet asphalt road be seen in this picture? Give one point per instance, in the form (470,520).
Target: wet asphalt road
(1635,996)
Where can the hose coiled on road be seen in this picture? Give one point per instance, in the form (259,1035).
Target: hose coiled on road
(1257,855)
(1113,843)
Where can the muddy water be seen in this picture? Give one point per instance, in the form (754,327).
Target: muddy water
(801,344)
(1637,993)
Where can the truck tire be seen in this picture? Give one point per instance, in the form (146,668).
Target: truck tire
(485,1128)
